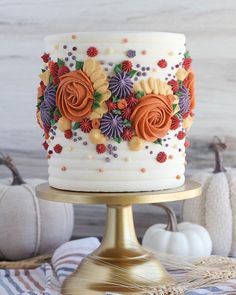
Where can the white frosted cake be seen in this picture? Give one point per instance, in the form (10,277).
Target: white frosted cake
(115,109)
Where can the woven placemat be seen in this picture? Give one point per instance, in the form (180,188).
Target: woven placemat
(29,263)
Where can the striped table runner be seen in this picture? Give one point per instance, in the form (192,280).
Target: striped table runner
(47,279)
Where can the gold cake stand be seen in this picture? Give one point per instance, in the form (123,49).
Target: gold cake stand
(120,265)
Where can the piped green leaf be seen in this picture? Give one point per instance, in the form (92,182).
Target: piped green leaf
(174,106)
(140,94)
(115,98)
(60,62)
(97,96)
(52,122)
(116,112)
(79,65)
(76,126)
(187,54)
(117,139)
(158,141)
(127,123)
(96,105)
(50,79)
(118,68)
(132,73)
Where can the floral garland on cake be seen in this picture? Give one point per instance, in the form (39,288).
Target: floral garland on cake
(113,107)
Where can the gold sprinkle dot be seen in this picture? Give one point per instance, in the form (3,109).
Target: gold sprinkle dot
(144,52)
(170,157)
(90,157)
(143,170)
(175,146)
(125,40)
(100,170)
(63,168)
(127,159)
(70,148)
(178,177)
(171,53)
(154,70)
(56,46)
(110,51)
(73,37)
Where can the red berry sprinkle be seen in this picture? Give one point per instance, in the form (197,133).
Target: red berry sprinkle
(45,145)
(174,123)
(63,70)
(187,144)
(187,63)
(127,134)
(161,157)
(174,85)
(57,148)
(126,66)
(181,135)
(162,63)
(92,51)
(100,148)
(86,125)
(68,134)
(45,57)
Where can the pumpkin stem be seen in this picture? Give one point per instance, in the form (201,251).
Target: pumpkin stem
(217,146)
(172,220)
(7,161)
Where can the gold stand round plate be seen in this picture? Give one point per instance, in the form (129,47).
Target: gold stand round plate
(120,265)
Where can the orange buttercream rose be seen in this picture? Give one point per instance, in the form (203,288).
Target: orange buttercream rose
(74,96)
(190,84)
(151,117)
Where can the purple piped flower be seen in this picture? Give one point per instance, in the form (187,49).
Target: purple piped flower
(131,53)
(45,115)
(111,125)
(184,101)
(121,85)
(50,96)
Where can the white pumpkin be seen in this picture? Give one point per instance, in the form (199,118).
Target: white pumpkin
(216,208)
(183,239)
(30,226)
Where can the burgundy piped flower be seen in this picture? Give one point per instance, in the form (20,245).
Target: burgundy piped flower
(53,68)
(161,157)
(111,125)
(127,134)
(111,105)
(100,148)
(187,63)
(126,66)
(63,70)
(57,148)
(121,85)
(181,135)
(174,123)
(86,125)
(68,134)
(174,85)
(132,101)
(162,63)
(92,51)
(45,57)
(126,113)
(45,145)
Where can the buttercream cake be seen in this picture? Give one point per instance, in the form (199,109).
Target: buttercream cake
(115,108)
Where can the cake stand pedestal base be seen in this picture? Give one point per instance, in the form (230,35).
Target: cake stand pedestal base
(120,265)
